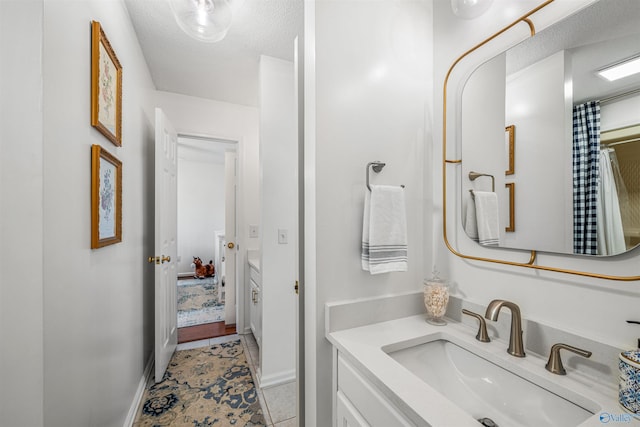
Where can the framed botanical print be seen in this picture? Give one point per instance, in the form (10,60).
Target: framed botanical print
(106,86)
(106,198)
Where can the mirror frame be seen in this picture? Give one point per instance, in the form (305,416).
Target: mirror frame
(445,161)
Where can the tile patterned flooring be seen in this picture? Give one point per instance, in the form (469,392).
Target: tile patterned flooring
(278,403)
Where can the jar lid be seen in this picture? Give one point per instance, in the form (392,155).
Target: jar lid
(632,357)
(435,279)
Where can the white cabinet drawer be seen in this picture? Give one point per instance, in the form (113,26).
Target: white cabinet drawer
(374,408)
(348,415)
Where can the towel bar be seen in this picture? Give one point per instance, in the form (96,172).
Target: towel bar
(475,175)
(377,167)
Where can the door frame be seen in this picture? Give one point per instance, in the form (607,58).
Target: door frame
(241,299)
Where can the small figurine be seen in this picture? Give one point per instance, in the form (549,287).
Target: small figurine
(202,271)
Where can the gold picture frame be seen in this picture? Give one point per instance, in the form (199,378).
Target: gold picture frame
(511,147)
(106,198)
(106,86)
(511,187)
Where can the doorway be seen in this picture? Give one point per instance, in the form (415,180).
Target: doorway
(206,218)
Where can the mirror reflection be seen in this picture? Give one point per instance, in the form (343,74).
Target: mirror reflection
(551,142)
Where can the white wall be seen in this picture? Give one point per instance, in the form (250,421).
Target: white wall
(200,210)
(198,116)
(620,114)
(591,307)
(21,214)
(278,191)
(98,314)
(536,104)
(367,99)
(485,128)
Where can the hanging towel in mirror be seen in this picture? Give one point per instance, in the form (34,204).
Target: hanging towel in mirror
(469,221)
(384,230)
(486,203)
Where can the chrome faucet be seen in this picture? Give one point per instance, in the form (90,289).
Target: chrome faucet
(516,346)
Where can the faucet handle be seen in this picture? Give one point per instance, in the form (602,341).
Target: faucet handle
(554,364)
(482,335)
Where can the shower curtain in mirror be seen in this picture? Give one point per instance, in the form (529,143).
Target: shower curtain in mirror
(610,232)
(586,161)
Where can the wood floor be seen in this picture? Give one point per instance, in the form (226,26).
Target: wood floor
(201,332)
(205,331)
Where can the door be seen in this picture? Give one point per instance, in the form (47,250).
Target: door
(230,171)
(166,230)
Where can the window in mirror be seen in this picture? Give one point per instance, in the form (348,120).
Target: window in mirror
(623,155)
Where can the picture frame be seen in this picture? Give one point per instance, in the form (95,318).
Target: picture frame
(106,198)
(510,143)
(106,86)
(511,188)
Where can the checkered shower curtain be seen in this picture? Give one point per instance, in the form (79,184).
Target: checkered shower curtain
(586,152)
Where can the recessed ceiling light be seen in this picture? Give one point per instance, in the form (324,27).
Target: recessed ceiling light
(621,69)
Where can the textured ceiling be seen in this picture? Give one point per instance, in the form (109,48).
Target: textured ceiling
(226,70)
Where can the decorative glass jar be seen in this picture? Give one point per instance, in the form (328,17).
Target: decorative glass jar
(436,298)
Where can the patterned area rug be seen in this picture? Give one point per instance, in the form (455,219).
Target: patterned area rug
(198,302)
(209,386)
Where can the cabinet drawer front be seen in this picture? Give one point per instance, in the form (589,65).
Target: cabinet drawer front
(348,415)
(369,402)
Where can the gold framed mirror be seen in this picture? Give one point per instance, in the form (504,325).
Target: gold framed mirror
(447,162)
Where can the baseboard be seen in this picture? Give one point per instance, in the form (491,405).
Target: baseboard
(277,379)
(137,398)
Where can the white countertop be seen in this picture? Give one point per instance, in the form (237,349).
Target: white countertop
(363,347)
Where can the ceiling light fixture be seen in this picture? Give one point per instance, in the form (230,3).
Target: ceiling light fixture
(621,69)
(204,20)
(469,9)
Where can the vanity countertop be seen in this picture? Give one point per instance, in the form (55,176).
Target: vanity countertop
(364,348)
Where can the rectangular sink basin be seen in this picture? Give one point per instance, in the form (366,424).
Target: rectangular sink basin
(486,390)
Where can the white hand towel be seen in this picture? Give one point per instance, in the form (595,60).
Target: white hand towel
(470,223)
(384,230)
(486,203)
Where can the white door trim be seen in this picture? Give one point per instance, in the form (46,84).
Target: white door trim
(242,321)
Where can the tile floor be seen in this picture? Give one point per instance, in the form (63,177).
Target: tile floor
(278,403)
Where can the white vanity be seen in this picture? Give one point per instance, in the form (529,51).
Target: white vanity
(255,296)
(406,372)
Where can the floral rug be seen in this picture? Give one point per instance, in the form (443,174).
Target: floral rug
(198,302)
(209,386)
